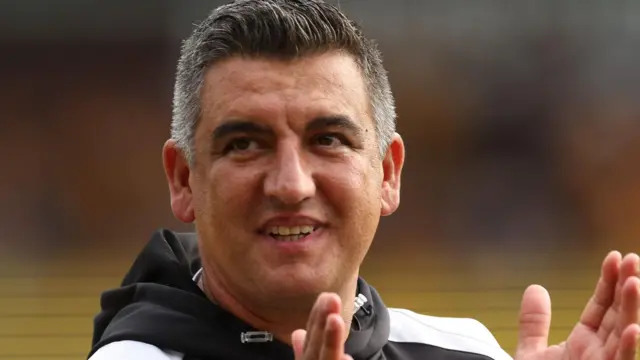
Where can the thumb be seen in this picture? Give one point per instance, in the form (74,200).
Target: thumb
(534,320)
(297,341)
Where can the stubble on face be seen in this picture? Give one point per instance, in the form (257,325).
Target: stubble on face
(234,190)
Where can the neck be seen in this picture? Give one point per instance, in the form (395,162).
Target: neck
(281,316)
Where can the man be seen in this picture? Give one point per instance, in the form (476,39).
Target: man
(284,155)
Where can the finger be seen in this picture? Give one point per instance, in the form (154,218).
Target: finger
(630,304)
(326,304)
(628,349)
(297,341)
(628,269)
(534,320)
(346,357)
(628,315)
(610,322)
(313,326)
(602,298)
(333,344)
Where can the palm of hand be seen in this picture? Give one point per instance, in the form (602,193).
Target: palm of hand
(608,328)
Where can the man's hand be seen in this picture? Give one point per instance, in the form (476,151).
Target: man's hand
(324,337)
(608,329)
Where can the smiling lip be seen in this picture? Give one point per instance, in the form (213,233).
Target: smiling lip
(289,221)
(292,234)
(302,246)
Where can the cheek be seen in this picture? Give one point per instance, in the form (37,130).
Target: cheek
(353,190)
(228,199)
(353,194)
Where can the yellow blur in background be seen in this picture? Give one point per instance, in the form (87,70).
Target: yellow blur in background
(521,123)
(47,311)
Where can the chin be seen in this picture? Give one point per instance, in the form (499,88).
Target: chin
(296,281)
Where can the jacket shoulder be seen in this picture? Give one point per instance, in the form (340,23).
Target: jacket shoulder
(457,334)
(133,350)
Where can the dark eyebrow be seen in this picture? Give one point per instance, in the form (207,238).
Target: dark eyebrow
(238,127)
(334,121)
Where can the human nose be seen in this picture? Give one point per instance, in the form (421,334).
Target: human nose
(290,180)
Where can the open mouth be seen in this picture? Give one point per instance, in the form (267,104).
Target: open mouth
(291,233)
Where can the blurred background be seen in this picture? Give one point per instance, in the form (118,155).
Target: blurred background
(521,121)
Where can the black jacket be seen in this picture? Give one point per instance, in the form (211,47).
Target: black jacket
(159,304)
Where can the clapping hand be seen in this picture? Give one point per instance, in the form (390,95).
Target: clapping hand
(325,334)
(608,328)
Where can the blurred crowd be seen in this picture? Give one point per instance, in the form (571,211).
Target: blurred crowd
(522,127)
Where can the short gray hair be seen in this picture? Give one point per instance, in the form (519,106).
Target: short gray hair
(280,29)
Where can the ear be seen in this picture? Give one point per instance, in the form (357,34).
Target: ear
(392,168)
(177,171)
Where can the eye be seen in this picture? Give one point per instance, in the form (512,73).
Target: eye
(330,140)
(241,145)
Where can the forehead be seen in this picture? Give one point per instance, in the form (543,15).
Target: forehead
(318,85)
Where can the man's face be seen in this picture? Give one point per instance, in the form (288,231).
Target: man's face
(288,185)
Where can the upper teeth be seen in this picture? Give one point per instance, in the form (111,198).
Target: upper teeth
(293,230)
